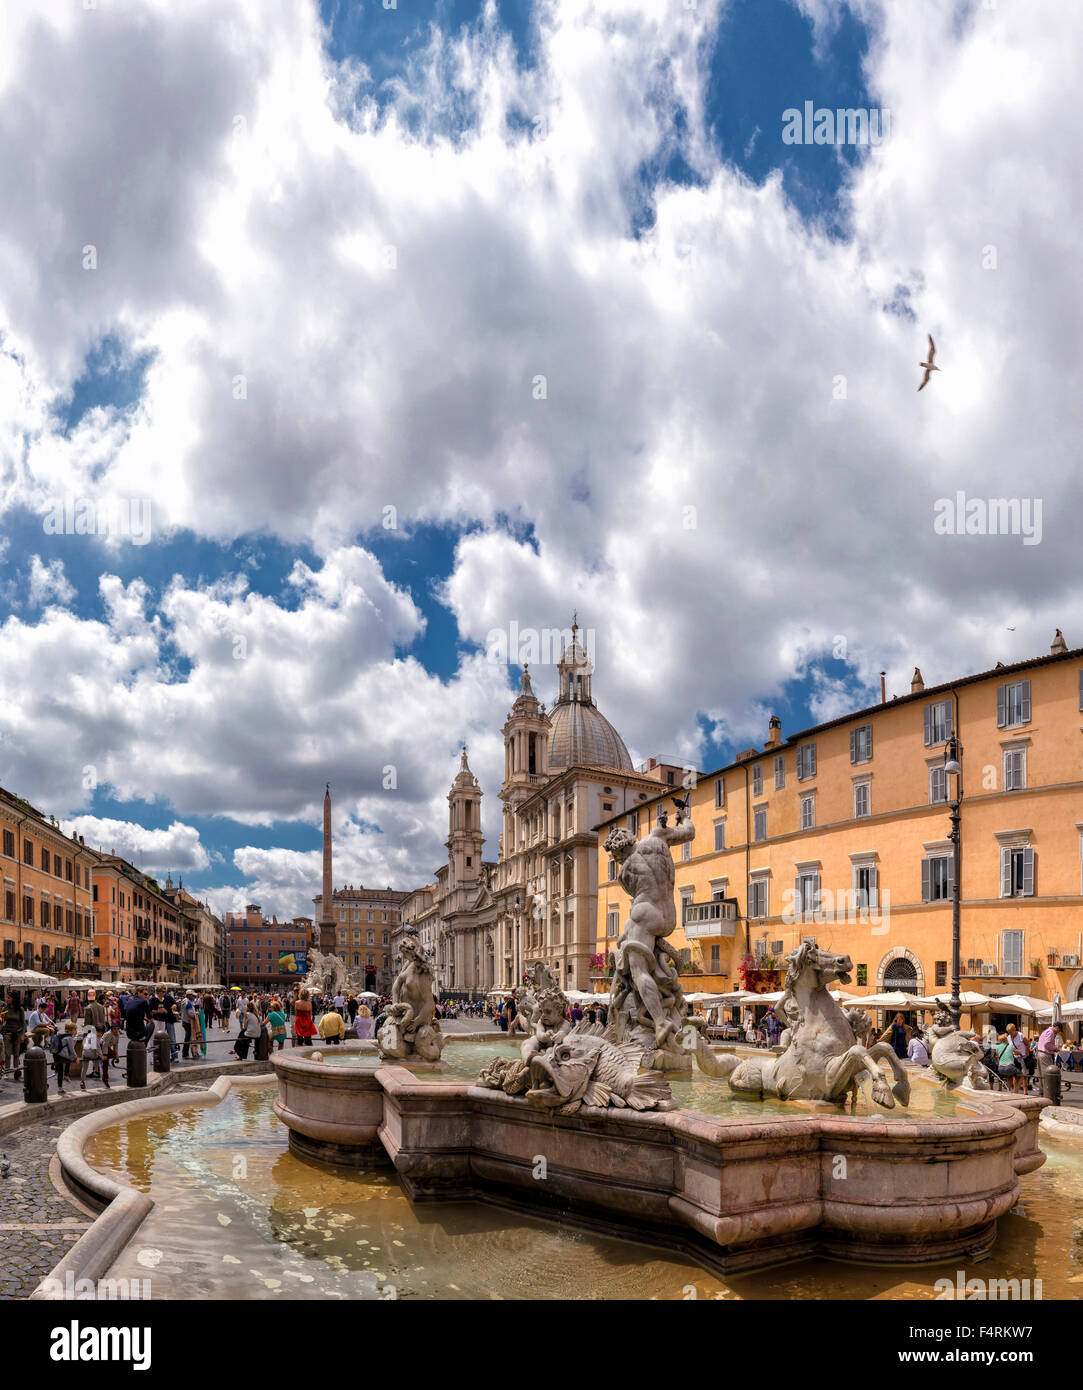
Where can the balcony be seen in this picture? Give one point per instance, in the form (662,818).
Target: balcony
(1063,960)
(714,921)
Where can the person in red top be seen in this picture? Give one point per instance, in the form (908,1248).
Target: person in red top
(304,1026)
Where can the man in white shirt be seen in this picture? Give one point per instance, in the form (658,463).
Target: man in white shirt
(340,1004)
(917,1051)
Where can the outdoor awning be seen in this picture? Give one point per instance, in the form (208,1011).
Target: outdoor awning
(1074,1010)
(894,1000)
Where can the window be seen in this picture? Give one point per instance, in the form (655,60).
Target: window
(1013,705)
(44,860)
(937,878)
(68,870)
(633,819)
(938,785)
(861,799)
(938,722)
(808,812)
(612,922)
(861,743)
(780,771)
(386,938)
(716,960)
(9,904)
(612,870)
(758,897)
(806,762)
(28,910)
(720,837)
(9,844)
(759,823)
(370,939)
(941,969)
(686,850)
(757,780)
(866,886)
(28,852)
(720,787)
(687,896)
(1011,951)
(1015,769)
(806,896)
(469,861)
(1016,871)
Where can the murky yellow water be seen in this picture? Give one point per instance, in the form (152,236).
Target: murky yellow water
(239,1216)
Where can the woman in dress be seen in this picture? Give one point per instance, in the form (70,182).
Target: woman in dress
(304,1026)
(364,1020)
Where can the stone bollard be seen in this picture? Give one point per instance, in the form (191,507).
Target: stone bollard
(35,1076)
(161,1052)
(1050,1079)
(136,1057)
(263,1045)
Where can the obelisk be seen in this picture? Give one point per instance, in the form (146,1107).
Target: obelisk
(325,927)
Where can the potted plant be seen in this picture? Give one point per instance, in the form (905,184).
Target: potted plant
(1035,967)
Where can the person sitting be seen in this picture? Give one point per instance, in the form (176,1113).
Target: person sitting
(917,1051)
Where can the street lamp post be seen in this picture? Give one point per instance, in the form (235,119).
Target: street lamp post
(953,771)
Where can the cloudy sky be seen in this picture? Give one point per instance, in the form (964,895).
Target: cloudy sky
(359,333)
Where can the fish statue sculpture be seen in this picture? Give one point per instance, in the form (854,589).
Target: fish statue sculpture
(586,1066)
(953,1056)
(589,1069)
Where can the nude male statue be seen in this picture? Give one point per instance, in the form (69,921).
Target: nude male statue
(646,874)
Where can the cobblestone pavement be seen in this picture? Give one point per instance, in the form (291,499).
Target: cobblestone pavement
(37,1225)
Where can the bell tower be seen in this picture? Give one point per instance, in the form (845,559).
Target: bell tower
(465,839)
(526,753)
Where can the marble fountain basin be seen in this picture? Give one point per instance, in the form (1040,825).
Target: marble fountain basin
(756,1184)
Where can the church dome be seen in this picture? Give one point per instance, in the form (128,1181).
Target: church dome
(581,734)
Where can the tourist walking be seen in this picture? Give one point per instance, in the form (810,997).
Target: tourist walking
(92,1055)
(62,1047)
(14,1033)
(1010,1071)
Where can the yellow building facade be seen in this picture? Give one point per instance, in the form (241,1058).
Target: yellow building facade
(841,832)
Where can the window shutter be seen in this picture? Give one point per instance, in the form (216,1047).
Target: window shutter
(812,759)
(1028,872)
(1025,701)
(868,740)
(1002,706)
(1005,873)
(798,902)
(951,875)
(1081,687)
(853,745)
(928,712)
(874,886)
(816,891)
(949,719)
(926,880)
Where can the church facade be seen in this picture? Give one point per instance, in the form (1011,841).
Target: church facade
(566,769)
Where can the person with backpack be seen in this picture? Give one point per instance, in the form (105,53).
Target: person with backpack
(110,1051)
(62,1048)
(92,1055)
(1007,1063)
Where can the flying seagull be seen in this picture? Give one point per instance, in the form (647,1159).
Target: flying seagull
(929,368)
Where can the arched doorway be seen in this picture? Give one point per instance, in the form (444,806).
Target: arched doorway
(370,979)
(900,971)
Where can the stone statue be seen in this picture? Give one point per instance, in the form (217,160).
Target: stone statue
(648,1003)
(526,998)
(822,1060)
(562,1068)
(953,1056)
(410,1030)
(327,974)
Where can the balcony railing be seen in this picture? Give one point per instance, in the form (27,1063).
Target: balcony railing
(715,919)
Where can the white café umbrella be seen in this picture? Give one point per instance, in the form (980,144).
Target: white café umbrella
(968,998)
(840,996)
(1019,1003)
(27,979)
(894,999)
(1074,1010)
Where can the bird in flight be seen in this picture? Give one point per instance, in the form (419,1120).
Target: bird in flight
(929,368)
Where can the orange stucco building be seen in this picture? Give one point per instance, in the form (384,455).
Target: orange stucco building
(841,832)
(45,902)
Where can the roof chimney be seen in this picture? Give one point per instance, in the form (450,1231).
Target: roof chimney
(774,732)
(883,687)
(916,683)
(1059,644)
